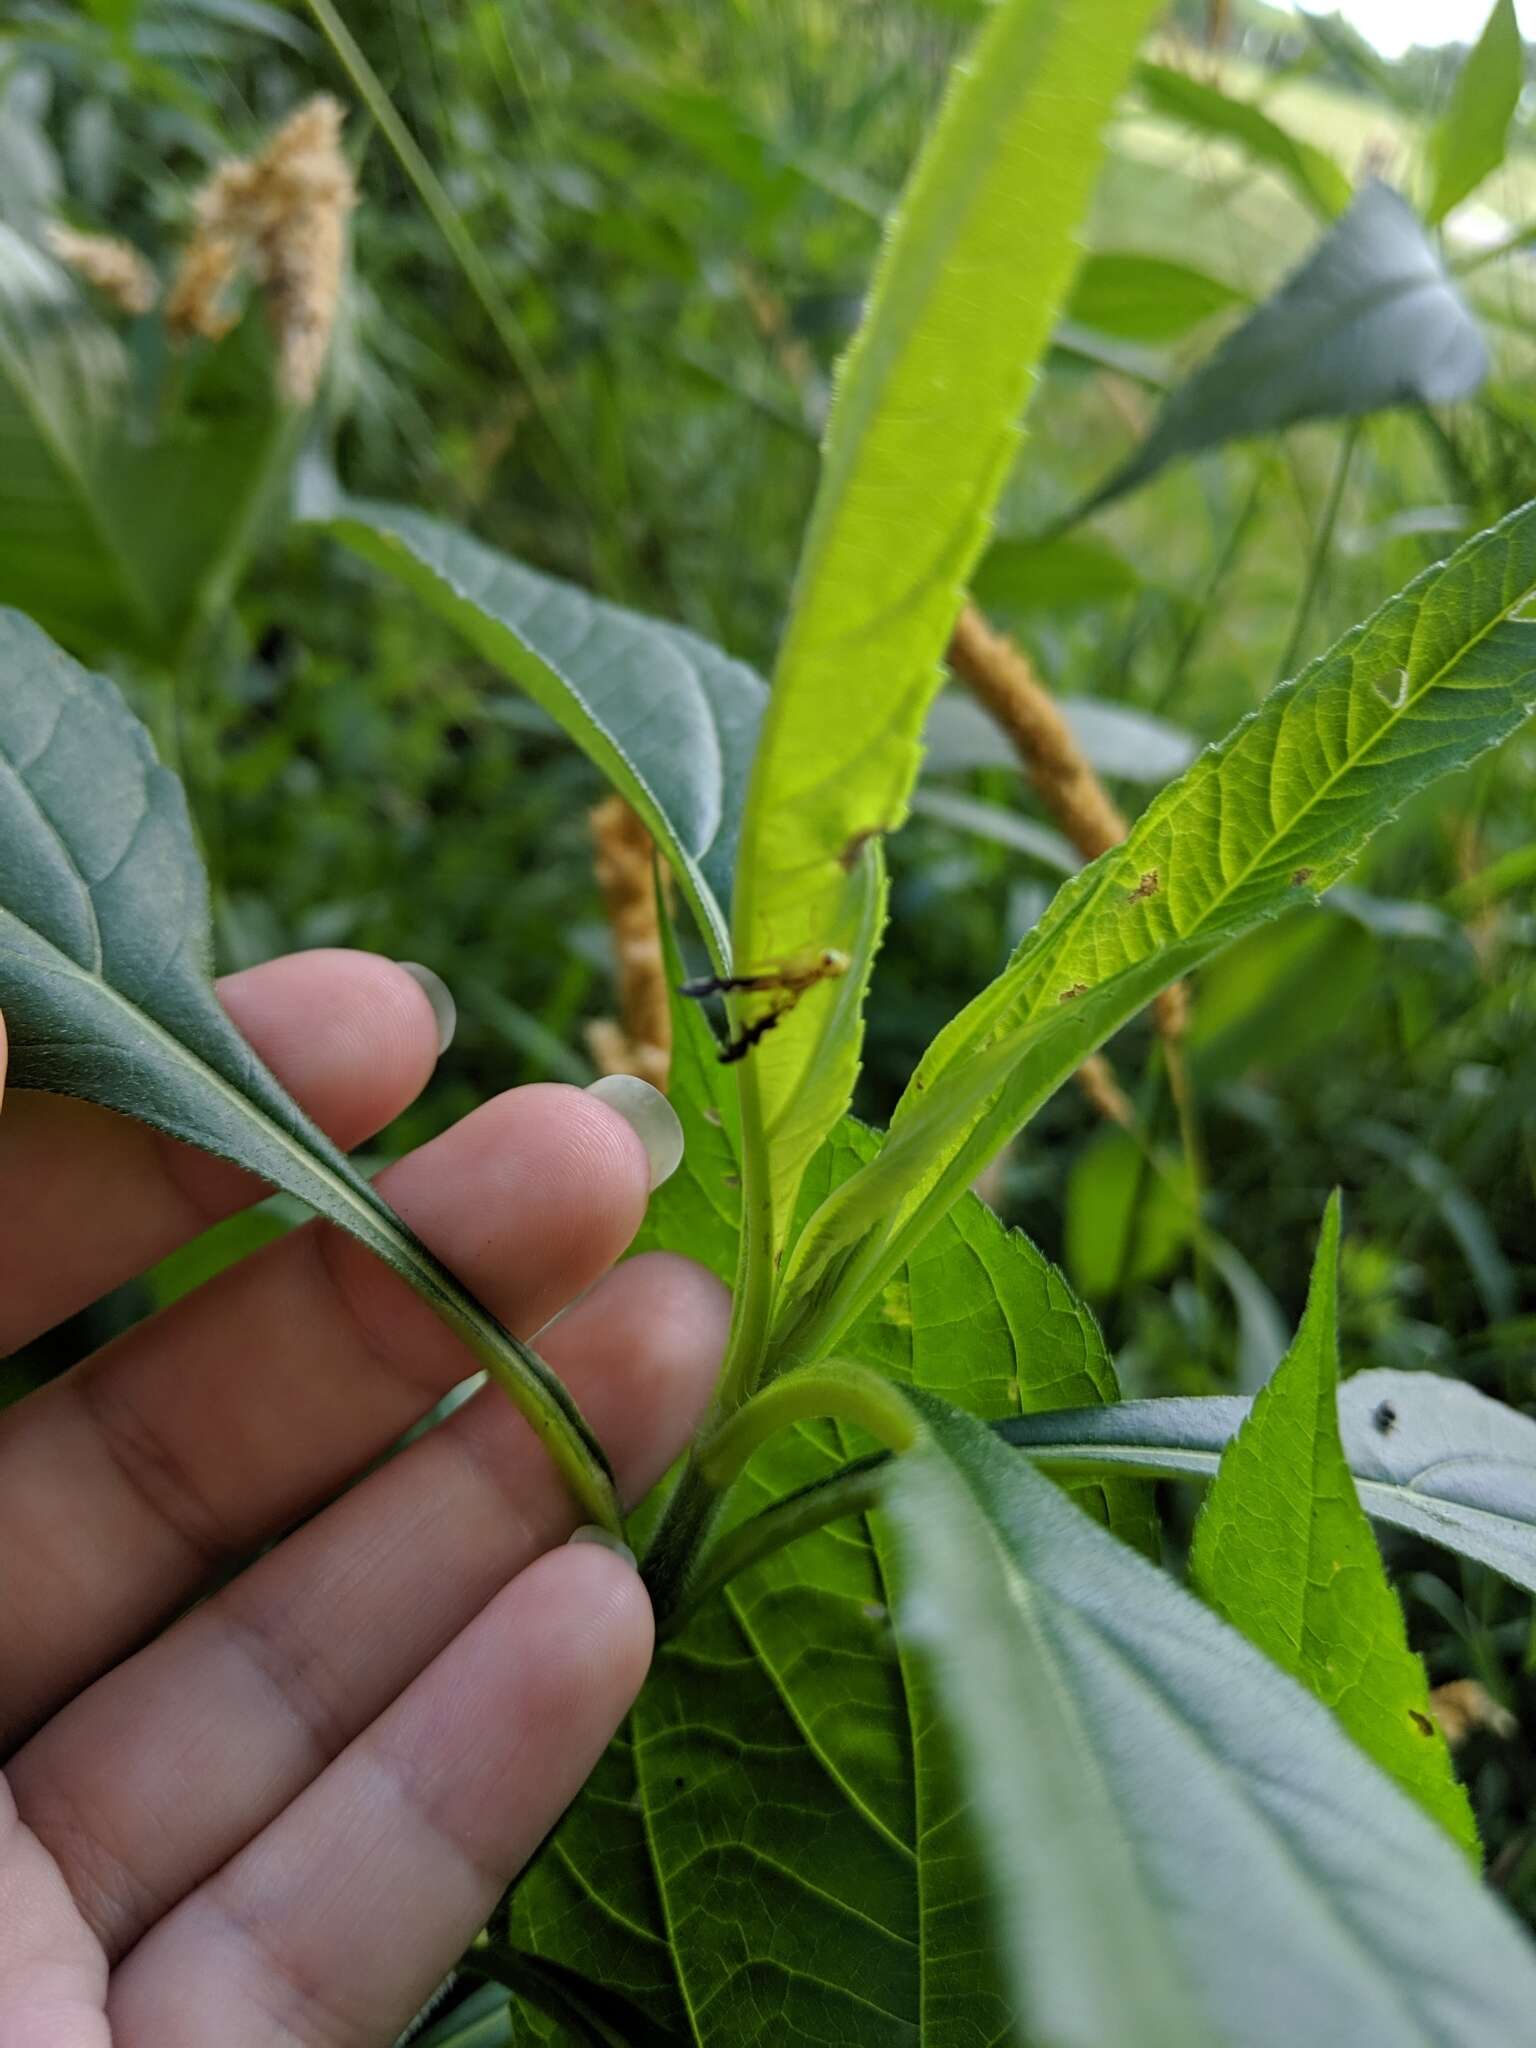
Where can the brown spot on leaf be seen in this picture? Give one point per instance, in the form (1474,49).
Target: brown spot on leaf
(848,859)
(1147,886)
(1301,876)
(1068,995)
(1421,1721)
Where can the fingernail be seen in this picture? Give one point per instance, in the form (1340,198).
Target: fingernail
(650,1116)
(440,996)
(594,1532)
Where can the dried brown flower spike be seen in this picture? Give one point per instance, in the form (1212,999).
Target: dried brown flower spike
(112,266)
(642,1043)
(280,217)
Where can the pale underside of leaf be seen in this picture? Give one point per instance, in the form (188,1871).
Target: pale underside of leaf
(1371,319)
(1431,1456)
(1275,1888)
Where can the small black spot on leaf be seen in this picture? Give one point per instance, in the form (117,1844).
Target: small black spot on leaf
(1384,1418)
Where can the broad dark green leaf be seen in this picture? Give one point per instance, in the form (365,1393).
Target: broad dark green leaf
(920,440)
(1184,1846)
(1371,319)
(671,721)
(785,1714)
(1469,140)
(1279,810)
(1310,171)
(104,985)
(1429,1455)
(1283,1551)
(1146,298)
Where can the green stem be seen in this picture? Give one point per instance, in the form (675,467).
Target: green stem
(852,1392)
(755,1272)
(852,1491)
(1322,541)
(451,227)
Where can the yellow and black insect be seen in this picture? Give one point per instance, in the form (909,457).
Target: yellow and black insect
(786,981)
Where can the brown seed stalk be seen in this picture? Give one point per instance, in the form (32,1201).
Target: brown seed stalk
(1002,679)
(640,1040)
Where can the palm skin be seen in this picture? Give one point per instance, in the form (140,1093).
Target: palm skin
(276,1814)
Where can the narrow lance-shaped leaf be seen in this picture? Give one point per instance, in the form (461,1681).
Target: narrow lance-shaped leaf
(105,991)
(1185,1847)
(1310,171)
(1283,1551)
(670,720)
(1280,809)
(1371,319)
(1469,140)
(920,440)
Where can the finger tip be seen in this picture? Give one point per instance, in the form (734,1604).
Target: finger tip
(606,1630)
(350,1033)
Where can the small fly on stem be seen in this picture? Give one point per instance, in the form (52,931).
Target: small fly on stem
(786,981)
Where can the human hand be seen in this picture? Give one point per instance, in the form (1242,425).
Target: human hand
(279,1817)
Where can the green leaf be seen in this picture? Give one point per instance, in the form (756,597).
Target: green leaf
(1283,1551)
(104,985)
(670,720)
(1371,319)
(1008,828)
(1283,806)
(784,1714)
(1076,572)
(1184,1846)
(1128,1217)
(1146,298)
(1281,992)
(921,438)
(112,537)
(1429,1455)
(1470,138)
(1310,171)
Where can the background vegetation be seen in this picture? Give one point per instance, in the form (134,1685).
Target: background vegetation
(673,211)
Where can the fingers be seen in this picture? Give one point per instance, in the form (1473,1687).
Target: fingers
(91,1199)
(336,1922)
(127,1483)
(53,1976)
(259,1687)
